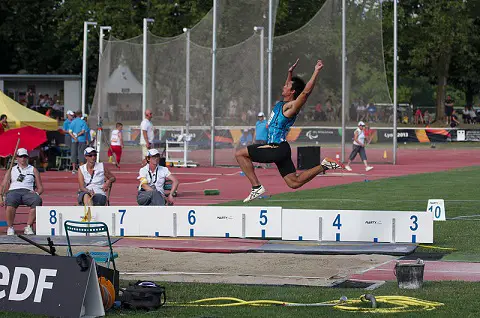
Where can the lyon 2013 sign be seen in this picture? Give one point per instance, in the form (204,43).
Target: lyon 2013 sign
(48,285)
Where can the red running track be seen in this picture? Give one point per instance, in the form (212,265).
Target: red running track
(61,187)
(434,271)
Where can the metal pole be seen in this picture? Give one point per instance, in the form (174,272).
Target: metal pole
(84,63)
(214,56)
(99,123)
(144,74)
(270,51)
(395,58)
(187,96)
(262,83)
(344,73)
(102,28)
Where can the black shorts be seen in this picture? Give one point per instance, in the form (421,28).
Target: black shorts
(280,154)
(448,111)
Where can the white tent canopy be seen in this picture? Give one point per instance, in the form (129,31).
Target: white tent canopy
(122,81)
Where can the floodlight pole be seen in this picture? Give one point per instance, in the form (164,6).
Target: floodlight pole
(395,58)
(84,63)
(102,28)
(187,96)
(270,52)
(262,84)
(344,71)
(144,74)
(99,123)
(214,56)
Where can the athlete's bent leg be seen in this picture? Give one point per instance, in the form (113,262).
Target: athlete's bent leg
(295,180)
(243,159)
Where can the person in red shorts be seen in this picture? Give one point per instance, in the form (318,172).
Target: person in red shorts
(116,144)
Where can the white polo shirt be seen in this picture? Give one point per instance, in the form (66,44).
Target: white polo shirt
(148,127)
(360,137)
(155,179)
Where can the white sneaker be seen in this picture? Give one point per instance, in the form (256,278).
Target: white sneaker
(28,230)
(10,231)
(255,194)
(368,168)
(331,164)
(347,167)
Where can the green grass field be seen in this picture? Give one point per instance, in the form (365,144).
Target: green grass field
(401,193)
(457,187)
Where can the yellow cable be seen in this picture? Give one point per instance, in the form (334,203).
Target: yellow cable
(399,303)
(437,247)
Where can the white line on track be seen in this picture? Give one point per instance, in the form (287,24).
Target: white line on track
(198,182)
(430,271)
(186,173)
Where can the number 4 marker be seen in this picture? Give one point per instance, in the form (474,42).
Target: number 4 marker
(437,208)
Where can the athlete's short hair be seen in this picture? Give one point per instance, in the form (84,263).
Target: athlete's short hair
(298,85)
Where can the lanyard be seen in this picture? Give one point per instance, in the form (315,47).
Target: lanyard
(155,174)
(91,177)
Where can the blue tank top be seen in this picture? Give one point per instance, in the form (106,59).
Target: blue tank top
(278,124)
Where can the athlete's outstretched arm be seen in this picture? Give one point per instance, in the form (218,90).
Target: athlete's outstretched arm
(290,72)
(297,104)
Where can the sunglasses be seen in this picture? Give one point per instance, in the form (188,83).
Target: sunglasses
(91,155)
(22,156)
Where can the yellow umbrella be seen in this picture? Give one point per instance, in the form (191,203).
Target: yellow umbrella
(19,115)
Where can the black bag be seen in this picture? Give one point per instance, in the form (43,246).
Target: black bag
(143,295)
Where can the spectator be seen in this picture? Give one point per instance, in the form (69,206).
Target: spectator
(30,98)
(66,128)
(473,115)
(319,113)
(454,122)
(246,138)
(24,188)
(94,181)
(466,115)
(116,144)
(427,118)
(330,111)
(418,118)
(3,123)
(372,112)
(147,134)
(152,180)
(78,132)
(261,131)
(360,111)
(449,102)
(90,134)
(359,143)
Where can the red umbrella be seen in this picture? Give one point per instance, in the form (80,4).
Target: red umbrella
(30,138)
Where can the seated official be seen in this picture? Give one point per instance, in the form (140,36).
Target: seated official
(94,180)
(152,179)
(22,182)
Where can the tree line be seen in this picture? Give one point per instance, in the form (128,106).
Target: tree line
(438,44)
